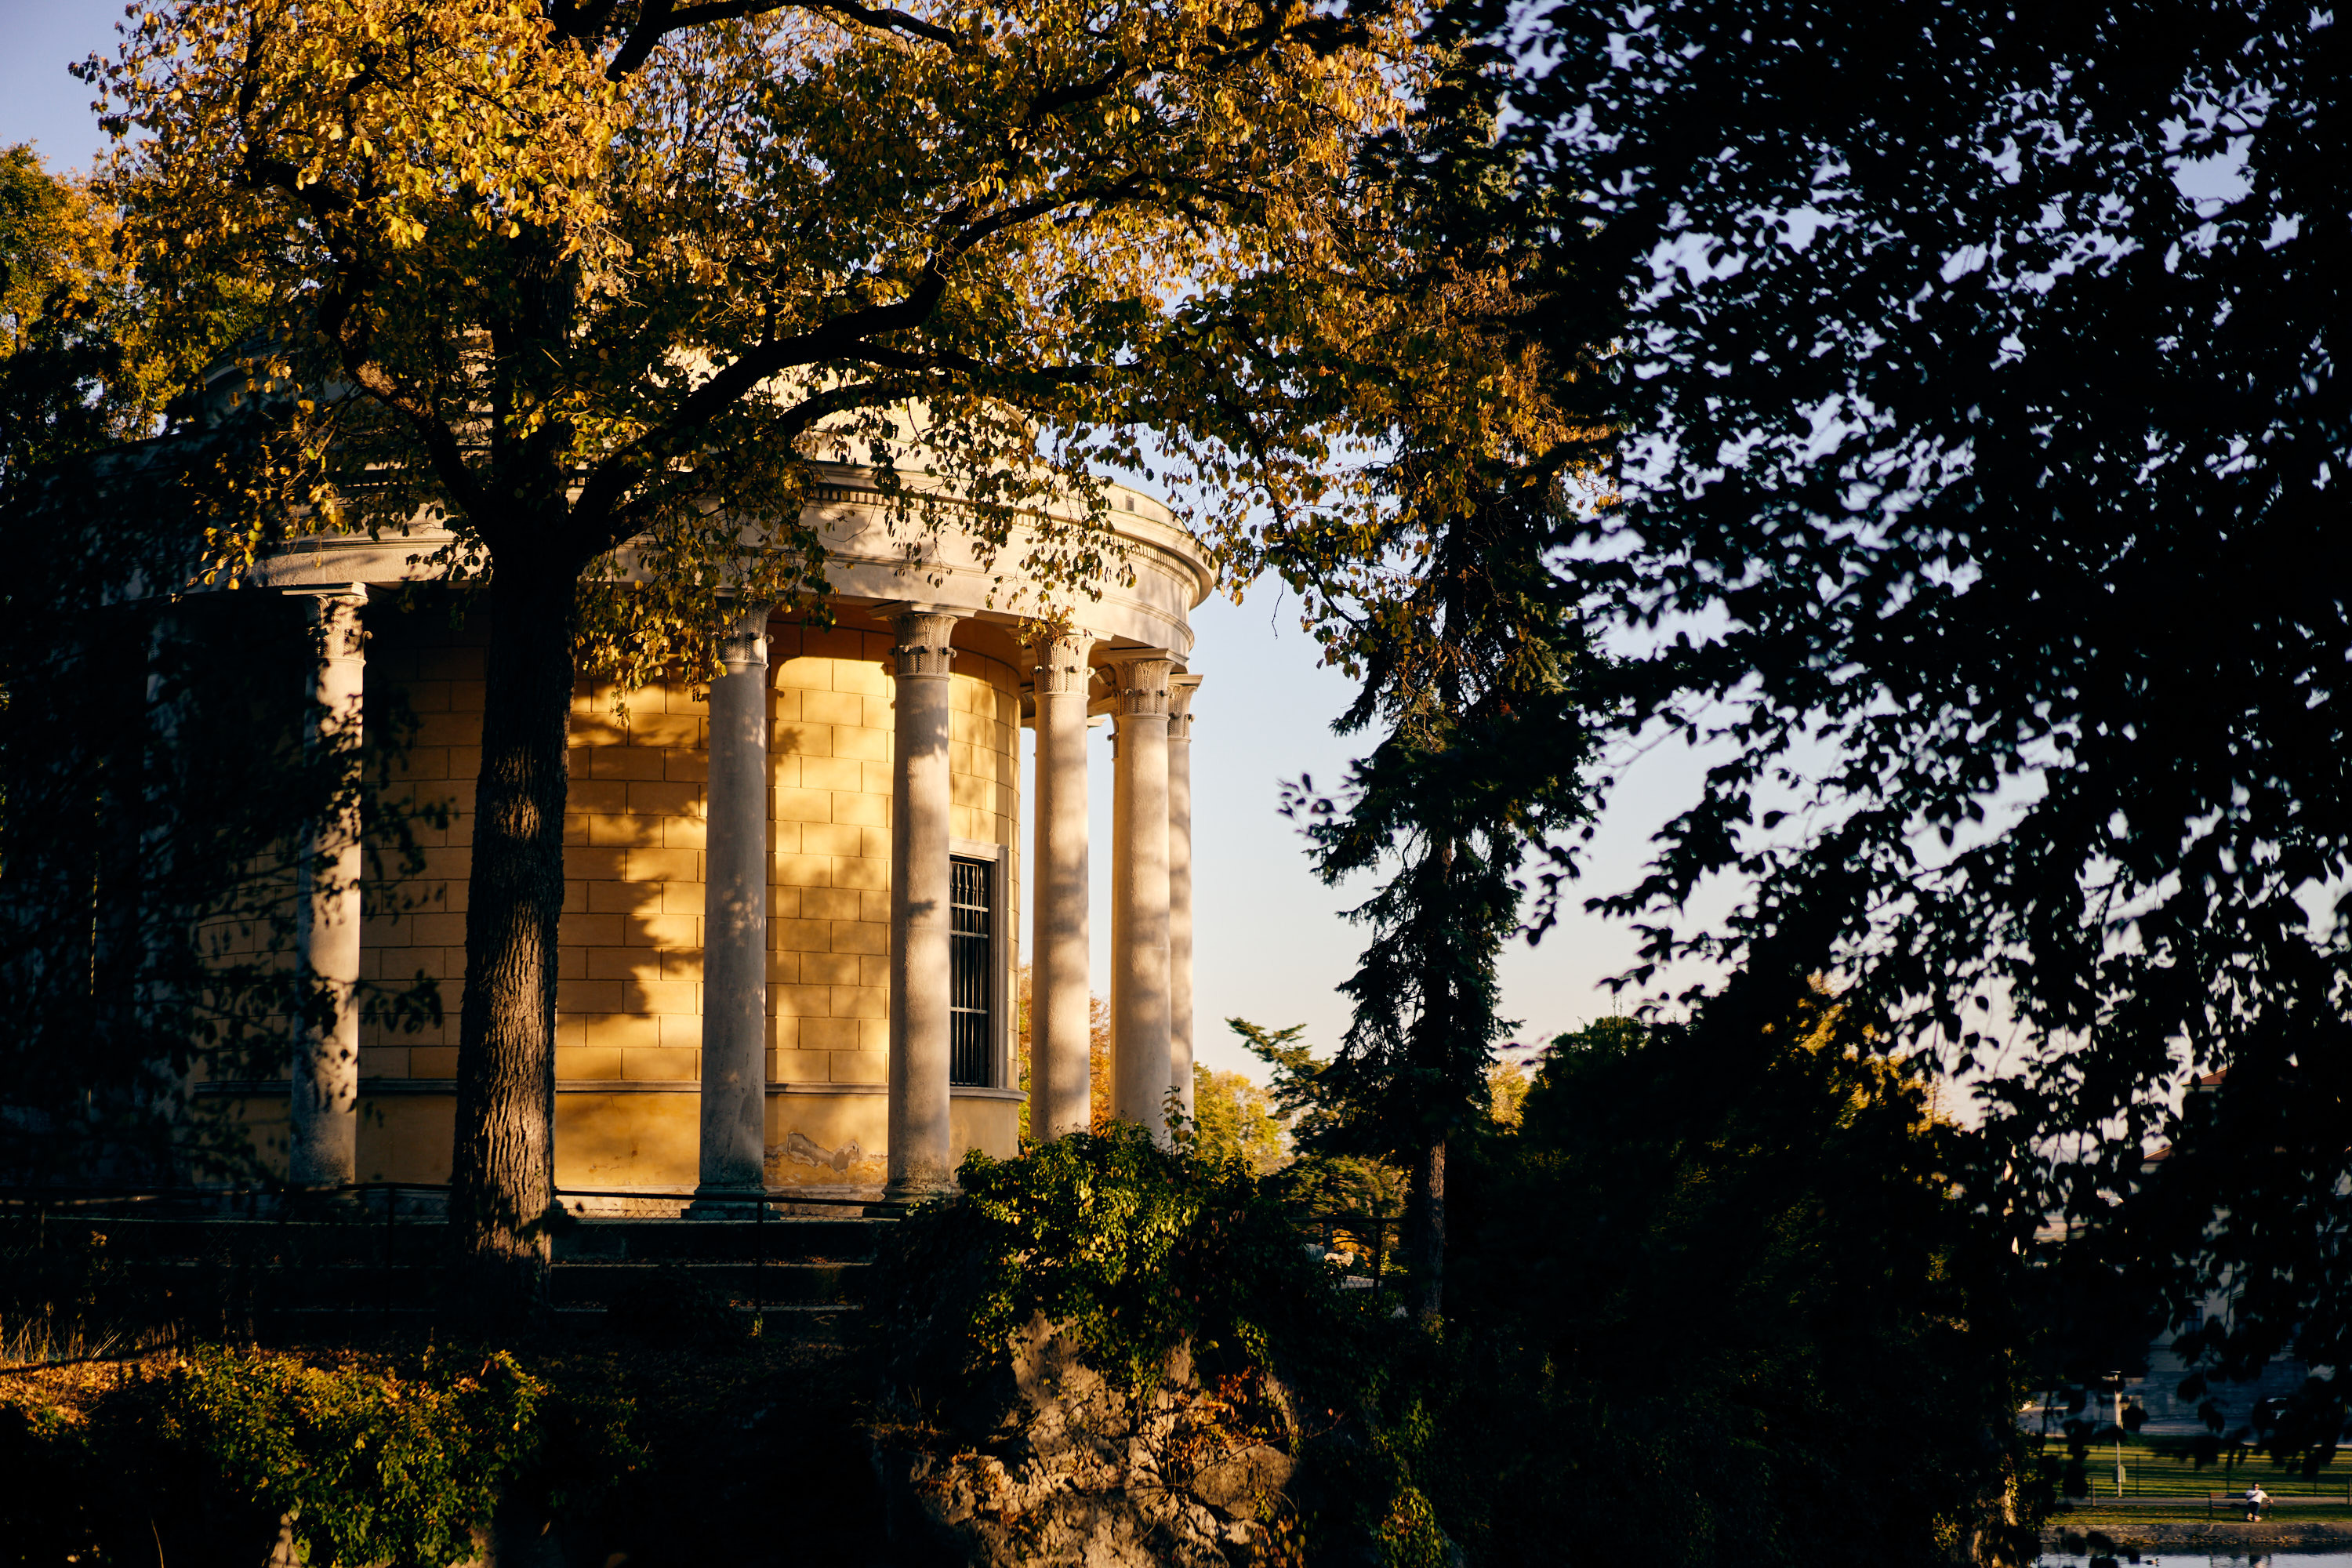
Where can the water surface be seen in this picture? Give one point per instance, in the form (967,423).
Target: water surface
(2320,1558)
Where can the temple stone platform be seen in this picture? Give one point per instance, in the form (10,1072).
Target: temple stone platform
(268,1275)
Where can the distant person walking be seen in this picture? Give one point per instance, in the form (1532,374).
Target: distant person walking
(2257,1500)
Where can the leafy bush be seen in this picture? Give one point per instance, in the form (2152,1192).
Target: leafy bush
(364,1462)
(368,1466)
(1132,1250)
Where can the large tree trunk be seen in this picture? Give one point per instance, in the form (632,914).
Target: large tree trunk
(1441,1015)
(1425,1227)
(504,1183)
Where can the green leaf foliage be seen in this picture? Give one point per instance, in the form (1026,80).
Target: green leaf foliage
(1713,1306)
(1985,436)
(1132,1250)
(367,1466)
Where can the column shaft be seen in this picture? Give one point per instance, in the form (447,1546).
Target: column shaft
(1060,1006)
(1180,888)
(323,1141)
(1139,995)
(921,1157)
(735,916)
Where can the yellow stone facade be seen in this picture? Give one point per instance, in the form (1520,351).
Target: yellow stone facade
(629,1012)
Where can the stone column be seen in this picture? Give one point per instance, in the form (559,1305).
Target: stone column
(1179,887)
(324,1139)
(921,1157)
(1060,1028)
(1139,984)
(735,923)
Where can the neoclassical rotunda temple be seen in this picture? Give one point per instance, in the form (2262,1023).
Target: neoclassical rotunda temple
(788,951)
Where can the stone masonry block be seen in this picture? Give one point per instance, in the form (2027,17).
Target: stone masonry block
(619,898)
(589,997)
(665,930)
(859,1002)
(602,863)
(593,930)
(661,1065)
(860,937)
(663,865)
(623,829)
(664,797)
(864,874)
(587,1061)
(804,806)
(672,997)
(865,680)
(623,1031)
(832,774)
(828,1033)
(799,868)
(801,935)
(830,969)
(833,838)
(861,809)
(634,763)
(829,904)
(858,1066)
(802,1066)
(817,708)
(803,674)
(799,1001)
(621,963)
(649,729)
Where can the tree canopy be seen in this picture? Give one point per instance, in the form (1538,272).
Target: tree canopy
(1983,436)
(597,284)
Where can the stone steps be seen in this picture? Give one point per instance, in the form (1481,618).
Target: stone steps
(302,1268)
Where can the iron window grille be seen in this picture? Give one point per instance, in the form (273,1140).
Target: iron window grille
(971,1000)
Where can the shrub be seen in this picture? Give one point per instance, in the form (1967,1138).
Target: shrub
(369,1465)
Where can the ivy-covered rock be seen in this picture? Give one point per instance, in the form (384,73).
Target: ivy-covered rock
(1113,1355)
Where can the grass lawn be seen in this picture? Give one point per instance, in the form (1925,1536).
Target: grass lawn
(2166,1467)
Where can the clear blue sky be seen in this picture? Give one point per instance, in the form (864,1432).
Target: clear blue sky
(1270,943)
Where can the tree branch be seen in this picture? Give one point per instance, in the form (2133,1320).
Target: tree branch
(661,17)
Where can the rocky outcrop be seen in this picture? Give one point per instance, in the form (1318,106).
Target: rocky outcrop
(1057,1465)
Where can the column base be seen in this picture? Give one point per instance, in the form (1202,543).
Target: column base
(904,1194)
(724,1203)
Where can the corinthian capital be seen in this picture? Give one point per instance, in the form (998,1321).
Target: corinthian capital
(1060,658)
(923,631)
(1142,688)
